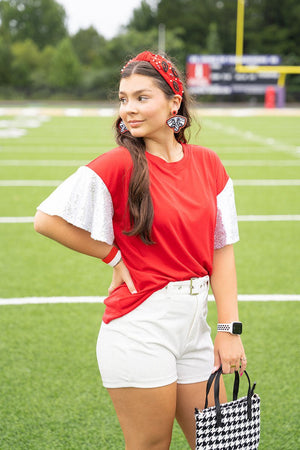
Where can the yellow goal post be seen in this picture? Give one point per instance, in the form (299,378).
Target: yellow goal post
(239,67)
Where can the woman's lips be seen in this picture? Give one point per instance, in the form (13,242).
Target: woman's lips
(135,123)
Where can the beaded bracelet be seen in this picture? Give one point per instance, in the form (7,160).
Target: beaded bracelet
(113,258)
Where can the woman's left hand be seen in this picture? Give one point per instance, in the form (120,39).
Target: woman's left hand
(229,352)
(121,275)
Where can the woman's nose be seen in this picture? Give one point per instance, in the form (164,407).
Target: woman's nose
(131,106)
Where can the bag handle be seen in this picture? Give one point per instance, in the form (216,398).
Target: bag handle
(216,376)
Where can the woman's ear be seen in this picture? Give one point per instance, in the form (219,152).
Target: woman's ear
(176,102)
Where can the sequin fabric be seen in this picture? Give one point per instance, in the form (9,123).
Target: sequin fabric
(84,201)
(226,231)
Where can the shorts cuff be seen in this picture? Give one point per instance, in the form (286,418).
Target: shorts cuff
(193,380)
(147,384)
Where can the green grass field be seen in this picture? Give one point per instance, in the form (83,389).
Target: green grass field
(50,388)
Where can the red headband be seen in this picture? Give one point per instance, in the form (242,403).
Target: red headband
(164,67)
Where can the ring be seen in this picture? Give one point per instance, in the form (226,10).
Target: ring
(232,366)
(243,359)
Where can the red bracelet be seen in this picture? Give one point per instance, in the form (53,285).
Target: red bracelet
(113,258)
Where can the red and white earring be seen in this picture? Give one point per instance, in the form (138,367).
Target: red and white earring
(176,122)
(122,127)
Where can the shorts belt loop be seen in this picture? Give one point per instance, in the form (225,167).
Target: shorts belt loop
(193,287)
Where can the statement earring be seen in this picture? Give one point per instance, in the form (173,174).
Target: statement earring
(176,122)
(122,127)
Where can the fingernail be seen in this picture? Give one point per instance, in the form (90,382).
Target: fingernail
(134,292)
(241,373)
(215,369)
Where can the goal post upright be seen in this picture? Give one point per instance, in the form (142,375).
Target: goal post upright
(240,67)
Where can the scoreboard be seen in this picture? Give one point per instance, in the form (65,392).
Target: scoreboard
(216,75)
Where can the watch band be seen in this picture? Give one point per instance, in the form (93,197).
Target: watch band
(232,327)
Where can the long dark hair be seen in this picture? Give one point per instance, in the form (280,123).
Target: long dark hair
(139,198)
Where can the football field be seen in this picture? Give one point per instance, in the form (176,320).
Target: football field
(50,297)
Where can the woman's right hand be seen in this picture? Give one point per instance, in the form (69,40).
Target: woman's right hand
(121,275)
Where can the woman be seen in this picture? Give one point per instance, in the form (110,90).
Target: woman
(162,214)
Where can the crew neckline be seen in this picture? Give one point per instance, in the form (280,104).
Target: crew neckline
(161,161)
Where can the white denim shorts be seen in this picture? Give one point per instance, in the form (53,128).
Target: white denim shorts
(163,340)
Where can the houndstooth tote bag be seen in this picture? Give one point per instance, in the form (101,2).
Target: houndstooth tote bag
(229,426)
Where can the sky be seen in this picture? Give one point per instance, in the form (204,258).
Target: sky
(107,16)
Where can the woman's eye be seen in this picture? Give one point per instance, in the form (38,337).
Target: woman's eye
(142,98)
(122,100)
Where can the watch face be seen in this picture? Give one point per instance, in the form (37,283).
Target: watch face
(237,327)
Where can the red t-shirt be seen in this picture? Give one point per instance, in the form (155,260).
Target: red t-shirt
(184,195)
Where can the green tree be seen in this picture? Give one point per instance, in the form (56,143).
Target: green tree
(25,61)
(42,21)
(132,42)
(65,68)
(192,16)
(6,58)
(213,44)
(272,26)
(89,46)
(41,76)
(224,15)
(143,18)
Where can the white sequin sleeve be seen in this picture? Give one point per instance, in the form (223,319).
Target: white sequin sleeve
(84,201)
(226,231)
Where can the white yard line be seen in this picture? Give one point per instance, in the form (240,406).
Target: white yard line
(109,111)
(42,162)
(266,182)
(269,218)
(29,183)
(59,149)
(56,111)
(16,219)
(243,218)
(241,149)
(261,162)
(252,137)
(77,163)
(51,300)
(56,300)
